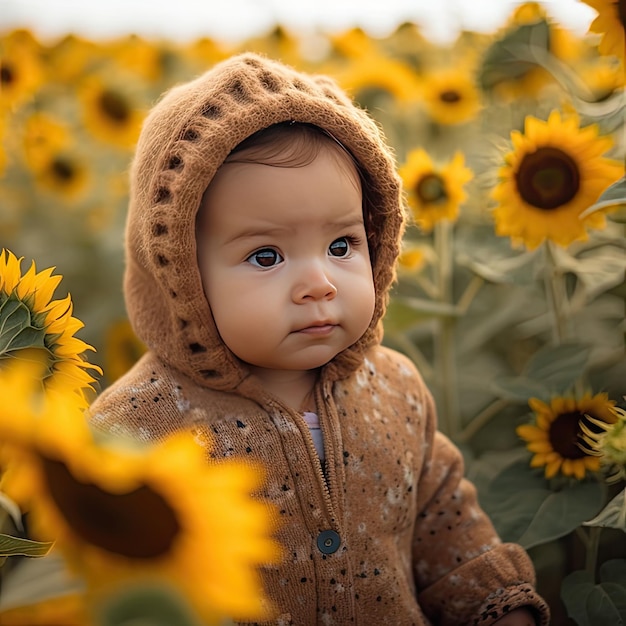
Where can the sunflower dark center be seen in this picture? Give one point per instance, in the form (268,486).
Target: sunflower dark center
(6,75)
(137,525)
(114,106)
(63,170)
(547,178)
(431,189)
(450,96)
(566,435)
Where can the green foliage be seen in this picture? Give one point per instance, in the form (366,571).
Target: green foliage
(552,370)
(36,580)
(613,199)
(146,605)
(16,546)
(590,604)
(613,515)
(514,54)
(17,330)
(527,510)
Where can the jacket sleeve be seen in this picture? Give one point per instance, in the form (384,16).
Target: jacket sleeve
(464,573)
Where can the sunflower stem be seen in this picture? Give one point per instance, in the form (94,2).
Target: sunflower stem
(556,295)
(591,557)
(482,419)
(445,362)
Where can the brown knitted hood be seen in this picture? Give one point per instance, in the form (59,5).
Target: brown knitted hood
(185,139)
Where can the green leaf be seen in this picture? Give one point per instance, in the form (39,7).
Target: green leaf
(519,389)
(613,198)
(34,580)
(558,367)
(598,269)
(16,546)
(606,604)
(562,512)
(575,590)
(399,317)
(155,605)
(613,515)
(509,58)
(427,308)
(589,604)
(525,511)
(614,571)
(16,330)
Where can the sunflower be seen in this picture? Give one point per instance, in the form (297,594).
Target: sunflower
(122,514)
(611,24)
(21,69)
(414,258)
(110,113)
(528,79)
(44,136)
(557,436)
(374,72)
(451,96)
(72,57)
(608,442)
(138,55)
(64,174)
(434,193)
(31,321)
(123,349)
(603,77)
(553,174)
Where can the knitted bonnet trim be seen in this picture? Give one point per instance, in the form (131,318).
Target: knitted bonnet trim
(184,140)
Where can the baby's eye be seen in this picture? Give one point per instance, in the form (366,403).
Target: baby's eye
(340,247)
(266,257)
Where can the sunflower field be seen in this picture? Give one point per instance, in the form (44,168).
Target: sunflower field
(510,299)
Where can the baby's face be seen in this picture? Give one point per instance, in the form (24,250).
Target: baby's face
(284,261)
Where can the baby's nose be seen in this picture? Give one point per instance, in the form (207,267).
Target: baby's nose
(313,283)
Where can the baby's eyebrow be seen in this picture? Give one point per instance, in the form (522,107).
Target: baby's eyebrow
(350,222)
(260,231)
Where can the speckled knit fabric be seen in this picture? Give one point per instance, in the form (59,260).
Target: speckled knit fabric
(392,533)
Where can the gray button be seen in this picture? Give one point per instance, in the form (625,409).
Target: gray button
(328,541)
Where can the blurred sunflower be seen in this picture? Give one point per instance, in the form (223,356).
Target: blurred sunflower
(557,436)
(611,24)
(122,350)
(63,174)
(414,257)
(434,192)
(353,43)
(72,57)
(451,96)
(31,322)
(553,174)
(110,113)
(121,514)
(141,57)
(44,136)
(21,68)
(608,442)
(603,77)
(205,50)
(377,72)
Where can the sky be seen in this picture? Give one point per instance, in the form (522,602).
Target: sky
(232,20)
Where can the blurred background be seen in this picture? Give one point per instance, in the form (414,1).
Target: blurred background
(491,319)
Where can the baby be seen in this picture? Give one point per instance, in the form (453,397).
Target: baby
(265,221)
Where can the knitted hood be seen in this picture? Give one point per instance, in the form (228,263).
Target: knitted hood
(185,139)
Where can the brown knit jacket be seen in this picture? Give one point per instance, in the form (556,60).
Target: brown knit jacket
(392,532)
